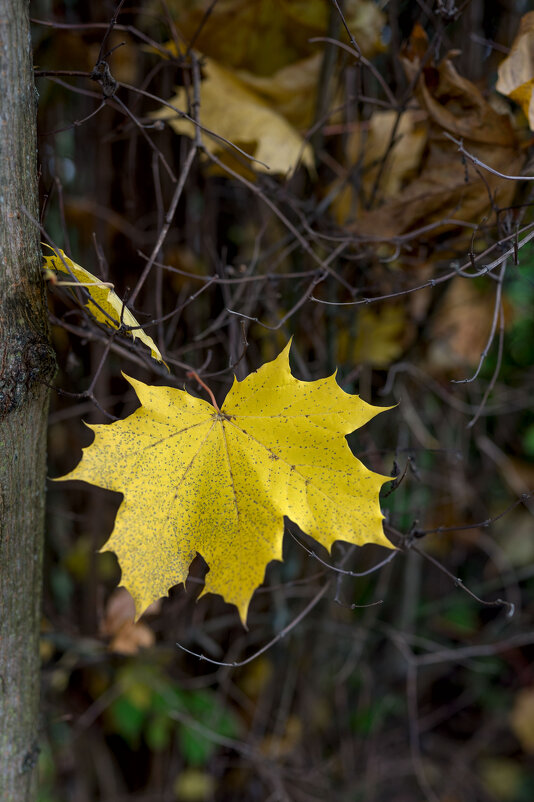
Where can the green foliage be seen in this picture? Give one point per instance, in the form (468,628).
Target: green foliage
(149,707)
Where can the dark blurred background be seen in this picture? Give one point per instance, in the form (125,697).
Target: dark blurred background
(399,685)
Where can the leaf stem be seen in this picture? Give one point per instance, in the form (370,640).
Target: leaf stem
(192,374)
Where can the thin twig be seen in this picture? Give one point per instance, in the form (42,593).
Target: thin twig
(168,220)
(497,312)
(482,164)
(460,583)
(342,571)
(497,370)
(479,524)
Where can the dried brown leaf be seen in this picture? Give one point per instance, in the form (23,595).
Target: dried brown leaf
(446,187)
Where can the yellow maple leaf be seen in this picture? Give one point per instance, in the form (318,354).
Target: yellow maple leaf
(197,479)
(104,304)
(238,114)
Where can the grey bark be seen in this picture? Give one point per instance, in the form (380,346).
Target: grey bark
(26,365)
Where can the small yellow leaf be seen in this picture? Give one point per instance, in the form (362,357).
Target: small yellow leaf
(104,305)
(516,72)
(233,111)
(194,785)
(196,479)
(381,337)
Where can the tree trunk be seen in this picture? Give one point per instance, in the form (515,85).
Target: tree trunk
(26,365)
